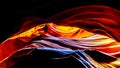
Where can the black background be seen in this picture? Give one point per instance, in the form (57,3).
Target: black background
(14,11)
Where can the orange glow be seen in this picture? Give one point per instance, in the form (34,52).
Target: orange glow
(29,34)
(63,29)
(67,31)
